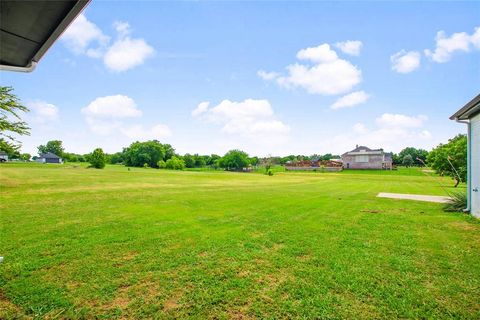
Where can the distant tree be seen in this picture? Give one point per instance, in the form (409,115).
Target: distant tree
(234,160)
(175,163)
(26,156)
(116,158)
(53,146)
(396,160)
(10,148)
(199,161)
(286,159)
(416,154)
(212,160)
(139,153)
(450,158)
(10,121)
(407,161)
(253,161)
(97,159)
(189,160)
(168,151)
(162,164)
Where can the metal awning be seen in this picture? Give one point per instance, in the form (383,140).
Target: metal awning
(29,27)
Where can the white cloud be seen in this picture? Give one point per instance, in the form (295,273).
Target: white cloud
(350,100)
(321,53)
(250,118)
(405,62)
(84,37)
(42,112)
(265,75)
(392,132)
(201,108)
(390,120)
(113,107)
(82,34)
(329,75)
(108,115)
(445,45)
(126,53)
(350,47)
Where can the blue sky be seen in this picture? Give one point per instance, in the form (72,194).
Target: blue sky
(267,77)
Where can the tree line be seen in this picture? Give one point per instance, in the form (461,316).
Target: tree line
(449,159)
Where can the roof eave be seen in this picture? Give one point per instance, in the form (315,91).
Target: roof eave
(469,110)
(62,26)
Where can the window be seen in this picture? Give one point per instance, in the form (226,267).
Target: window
(361,158)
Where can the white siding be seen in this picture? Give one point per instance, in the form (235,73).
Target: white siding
(475,165)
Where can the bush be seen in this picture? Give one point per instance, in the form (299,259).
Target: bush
(175,163)
(97,159)
(161,164)
(457,203)
(270,172)
(145,165)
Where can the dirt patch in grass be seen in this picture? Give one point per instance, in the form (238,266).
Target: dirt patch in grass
(462,225)
(173,301)
(9,310)
(372,211)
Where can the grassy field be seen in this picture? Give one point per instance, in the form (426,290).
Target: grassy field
(118,243)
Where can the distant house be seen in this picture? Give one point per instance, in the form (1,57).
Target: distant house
(49,158)
(3,156)
(365,158)
(470,114)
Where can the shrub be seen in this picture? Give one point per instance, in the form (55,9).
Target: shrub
(270,172)
(145,165)
(457,203)
(161,164)
(175,163)
(97,159)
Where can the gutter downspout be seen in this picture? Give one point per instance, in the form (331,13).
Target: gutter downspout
(469,162)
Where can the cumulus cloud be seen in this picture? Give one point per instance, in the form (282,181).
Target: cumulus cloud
(84,37)
(326,74)
(267,75)
(114,107)
(319,54)
(405,62)
(390,120)
(446,46)
(350,47)
(391,131)
(249,118)
(110,115)
(126,53)
(201,108)
(42,112)
(350,100)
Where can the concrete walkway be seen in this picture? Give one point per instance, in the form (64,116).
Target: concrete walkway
(417,197)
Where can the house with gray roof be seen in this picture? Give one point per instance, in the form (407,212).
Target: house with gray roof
(365,158)
(49,158)
(470,115)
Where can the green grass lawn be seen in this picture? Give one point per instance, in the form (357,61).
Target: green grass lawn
(114,243)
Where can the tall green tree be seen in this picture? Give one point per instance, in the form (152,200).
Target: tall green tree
(11,123)
(53,146)
(418,155)
(189,160)
(139,153)
(407,160)
(97,159)
(234,160)
(451,158)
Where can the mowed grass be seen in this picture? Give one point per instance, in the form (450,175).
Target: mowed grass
(146,243)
